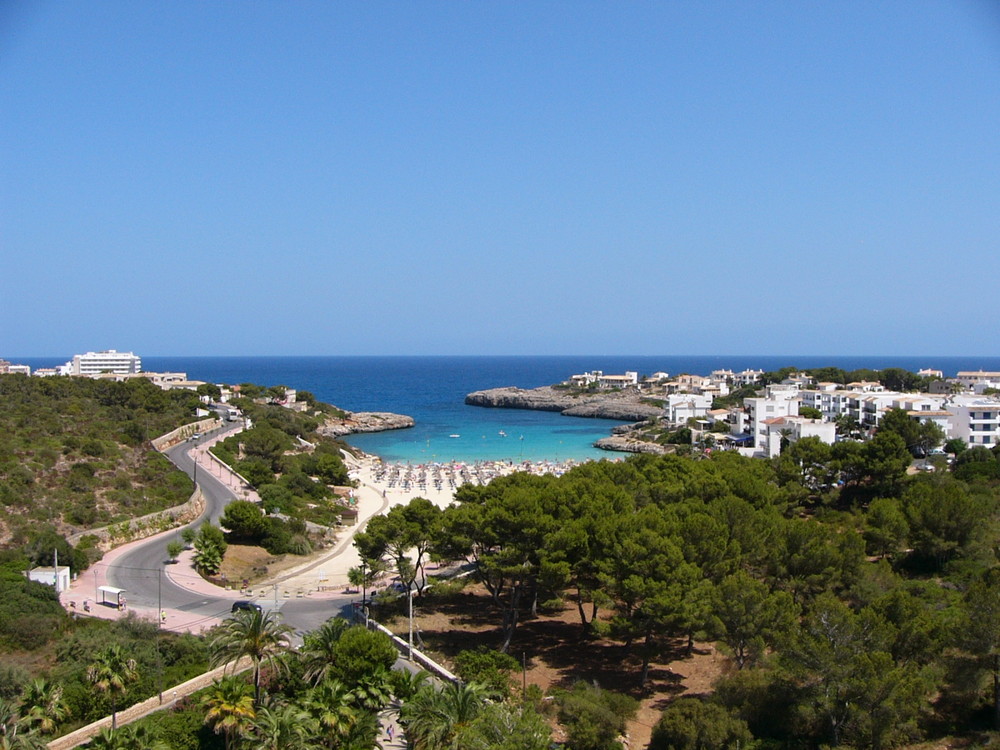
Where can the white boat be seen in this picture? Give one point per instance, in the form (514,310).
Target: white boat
(454,436)
(503,434)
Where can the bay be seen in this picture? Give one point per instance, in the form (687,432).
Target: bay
(432,391)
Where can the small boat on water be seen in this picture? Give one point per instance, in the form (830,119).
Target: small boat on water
(503,434)
(452,436)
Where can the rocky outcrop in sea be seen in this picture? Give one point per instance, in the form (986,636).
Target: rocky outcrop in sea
(364,421)
(617,405)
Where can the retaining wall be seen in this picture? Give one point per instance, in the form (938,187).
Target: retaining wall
(148,525)
(182,433)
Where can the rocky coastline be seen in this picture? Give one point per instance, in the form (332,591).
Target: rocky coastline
(626,444)
(616,405)
(364,421)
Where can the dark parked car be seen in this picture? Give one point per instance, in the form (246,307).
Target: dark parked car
(246,606)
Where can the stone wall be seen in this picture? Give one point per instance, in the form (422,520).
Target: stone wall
(183,432)
(136,712)
(161,520)
(144,526)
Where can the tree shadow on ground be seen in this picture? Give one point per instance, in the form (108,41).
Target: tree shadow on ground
(556,642)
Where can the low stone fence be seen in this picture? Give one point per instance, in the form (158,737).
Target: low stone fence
(418,656)
(161,520)
(144,526)
(139,710)
(183,432)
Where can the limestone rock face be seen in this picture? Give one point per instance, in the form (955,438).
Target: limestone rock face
(617,405)
(631,445)
(364,421)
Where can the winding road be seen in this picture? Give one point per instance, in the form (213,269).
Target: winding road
(152,582)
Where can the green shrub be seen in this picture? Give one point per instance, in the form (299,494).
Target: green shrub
(594,718)
(487,667)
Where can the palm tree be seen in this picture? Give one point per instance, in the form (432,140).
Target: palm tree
(129,738)
(319,649)
(42,706)
(285,727)
(23,741)
(11,736)
(406,684)
(230,708)
(111,673)
(8,718)
(373,691)
(433,719)
(255,634)
(330,704)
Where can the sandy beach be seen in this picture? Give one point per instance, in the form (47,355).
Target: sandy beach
(381,485)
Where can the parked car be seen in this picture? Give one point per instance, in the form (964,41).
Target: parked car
(244,605)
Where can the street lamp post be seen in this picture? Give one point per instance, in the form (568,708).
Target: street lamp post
(409,597)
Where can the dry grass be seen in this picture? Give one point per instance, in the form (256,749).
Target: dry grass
(557,655)
(254,564)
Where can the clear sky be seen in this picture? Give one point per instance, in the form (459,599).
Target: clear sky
(185,178)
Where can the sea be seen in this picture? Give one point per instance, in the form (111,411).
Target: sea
(432,390)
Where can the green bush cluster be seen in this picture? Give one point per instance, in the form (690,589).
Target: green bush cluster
(292,483)
(76,449)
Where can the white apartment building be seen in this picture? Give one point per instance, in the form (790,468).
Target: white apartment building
(976,420)
(831,403)
(970,378)
(95,363)
(869,408)
(780,401)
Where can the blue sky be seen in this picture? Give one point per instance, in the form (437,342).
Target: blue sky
(186,178)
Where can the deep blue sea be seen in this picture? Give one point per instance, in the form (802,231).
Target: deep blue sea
(432,391)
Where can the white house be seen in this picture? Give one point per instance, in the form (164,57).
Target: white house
(680,407)
(747,377)
(793,429)
(604,381)
(58,577)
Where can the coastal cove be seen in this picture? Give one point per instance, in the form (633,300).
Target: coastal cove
(432,391)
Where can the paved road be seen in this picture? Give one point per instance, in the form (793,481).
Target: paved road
(140,571)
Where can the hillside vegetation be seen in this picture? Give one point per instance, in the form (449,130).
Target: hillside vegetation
(75,452)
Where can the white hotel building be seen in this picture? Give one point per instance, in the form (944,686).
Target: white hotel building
(95,363)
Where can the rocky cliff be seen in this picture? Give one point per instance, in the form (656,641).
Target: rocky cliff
(364,421)
(617,405)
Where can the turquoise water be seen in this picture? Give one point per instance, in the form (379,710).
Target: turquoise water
(531,436)
(432,390)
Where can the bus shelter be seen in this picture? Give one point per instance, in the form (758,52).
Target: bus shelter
(110,596)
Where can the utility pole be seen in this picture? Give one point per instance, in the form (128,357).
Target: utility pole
(364,583)
(159,625)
